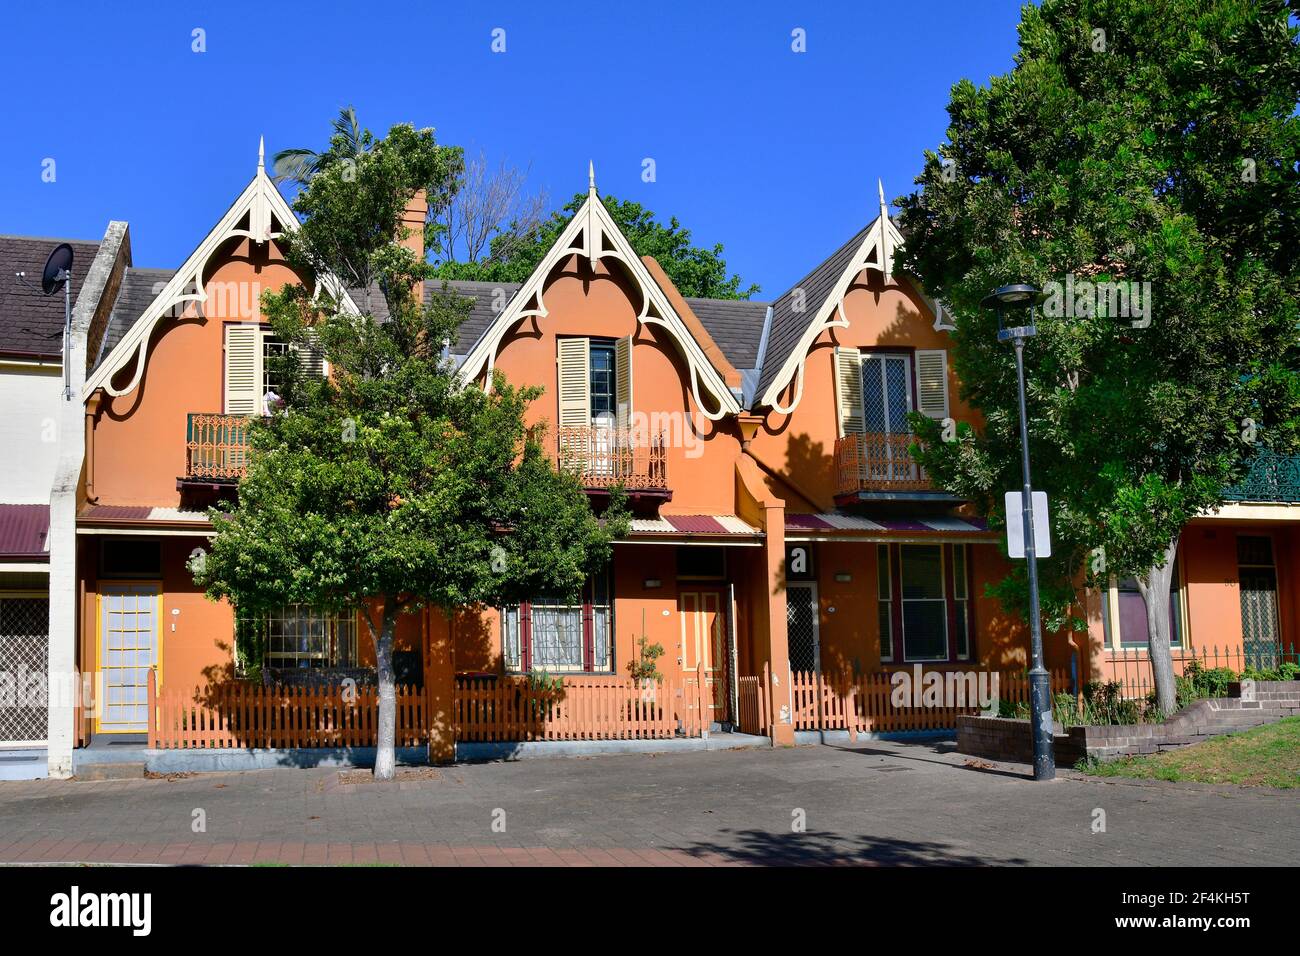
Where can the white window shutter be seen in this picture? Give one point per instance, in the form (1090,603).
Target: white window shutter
(573,356)
(932,382)
(848,391)
(243,370)
(313,357)
(623,380)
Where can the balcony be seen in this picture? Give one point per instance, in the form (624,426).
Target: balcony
(216,449)
(879,466)
(603,458)
(1272,478)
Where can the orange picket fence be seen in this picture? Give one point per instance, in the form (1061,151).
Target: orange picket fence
(517,708)
(868,704)
(248,715)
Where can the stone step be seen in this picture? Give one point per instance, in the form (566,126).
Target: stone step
(111,771)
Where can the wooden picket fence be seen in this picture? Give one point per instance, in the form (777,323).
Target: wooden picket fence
(248,715)
(866,705)
(515,708)
(753,701)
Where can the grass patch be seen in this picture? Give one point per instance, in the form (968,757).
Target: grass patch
(1267,756)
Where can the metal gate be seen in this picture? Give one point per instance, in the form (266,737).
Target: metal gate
(1257,583)
(802,629)
(24,660)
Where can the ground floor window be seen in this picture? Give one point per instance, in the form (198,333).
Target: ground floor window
(923,605)
(298,635)
(559,636)
(1124,613)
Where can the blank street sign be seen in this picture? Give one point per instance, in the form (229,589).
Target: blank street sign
(1016,525)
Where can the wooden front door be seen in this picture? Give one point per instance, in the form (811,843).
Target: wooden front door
(704,642)
(130,620)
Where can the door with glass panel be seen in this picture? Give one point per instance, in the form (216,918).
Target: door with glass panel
(886,402)
(129,628)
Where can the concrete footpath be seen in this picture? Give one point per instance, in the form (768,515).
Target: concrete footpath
(871,803)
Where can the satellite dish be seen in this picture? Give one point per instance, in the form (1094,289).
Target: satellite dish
(58,267)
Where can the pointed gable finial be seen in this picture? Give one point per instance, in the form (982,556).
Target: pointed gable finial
(261,153)
(880,185)
(591,176)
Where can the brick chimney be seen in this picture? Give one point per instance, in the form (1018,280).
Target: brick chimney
(413,220)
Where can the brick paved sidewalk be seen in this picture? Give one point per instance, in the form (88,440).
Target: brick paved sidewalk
(875,803)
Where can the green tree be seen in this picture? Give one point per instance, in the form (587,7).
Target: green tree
(390,485)
(696,271)
(1132,143)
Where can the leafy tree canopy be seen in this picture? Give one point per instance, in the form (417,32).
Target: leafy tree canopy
(390,485)
(1136,143)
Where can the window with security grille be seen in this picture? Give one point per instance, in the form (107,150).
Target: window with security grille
(561,637)
(24,660)
(301,636)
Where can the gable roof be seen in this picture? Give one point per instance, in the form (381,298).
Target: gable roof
(31,323)
(816,303)
(593,234)
(255,215)
(487,297)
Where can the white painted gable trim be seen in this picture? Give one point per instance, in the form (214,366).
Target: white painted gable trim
(876,251)
(593,234)
(262,201)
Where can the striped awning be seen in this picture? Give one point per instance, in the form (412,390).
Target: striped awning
(812,527)
(722,529)
(141,518)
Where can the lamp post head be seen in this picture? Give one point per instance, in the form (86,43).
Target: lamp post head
(1012,299)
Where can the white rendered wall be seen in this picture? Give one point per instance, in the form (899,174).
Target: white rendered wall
(30,412)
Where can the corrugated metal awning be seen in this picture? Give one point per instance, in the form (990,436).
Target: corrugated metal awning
(25,532)
(694,529)
(833,526)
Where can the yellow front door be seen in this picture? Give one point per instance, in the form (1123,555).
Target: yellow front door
(704,643)
(130,622)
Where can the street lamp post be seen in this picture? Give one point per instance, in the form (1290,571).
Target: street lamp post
(1014,298)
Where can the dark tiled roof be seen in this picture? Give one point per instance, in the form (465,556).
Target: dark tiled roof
(25,529)
(490,299)
(29,320)
(377,305)
(139,288)
(788,326)
(735,324)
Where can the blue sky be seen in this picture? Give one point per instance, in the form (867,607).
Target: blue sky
(771,152)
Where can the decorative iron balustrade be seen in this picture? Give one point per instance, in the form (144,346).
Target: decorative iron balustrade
(602,457)
(877,461)
(216,446)
(1272,477)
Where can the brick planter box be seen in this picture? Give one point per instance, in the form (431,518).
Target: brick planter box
(1250,704)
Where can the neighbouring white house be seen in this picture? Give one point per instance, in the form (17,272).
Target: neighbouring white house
(41,452)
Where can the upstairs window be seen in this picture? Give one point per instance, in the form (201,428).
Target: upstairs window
(595,382)
(250,373)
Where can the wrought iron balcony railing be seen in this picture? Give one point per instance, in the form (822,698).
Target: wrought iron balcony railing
(876,461)
(605,457)
(1271,477)
(216,447)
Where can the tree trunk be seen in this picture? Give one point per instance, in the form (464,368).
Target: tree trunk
(1154,586)
(382,638)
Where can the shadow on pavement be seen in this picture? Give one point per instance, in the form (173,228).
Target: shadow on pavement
(761,848)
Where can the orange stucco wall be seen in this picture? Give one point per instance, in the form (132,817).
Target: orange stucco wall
(139,439)
(701,454)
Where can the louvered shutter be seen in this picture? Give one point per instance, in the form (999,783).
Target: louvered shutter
(932,382)
(623,380)
(312,355)
(574,361)
(848,391)
(243,372)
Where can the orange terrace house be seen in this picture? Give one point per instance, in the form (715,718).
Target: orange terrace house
(786,551)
